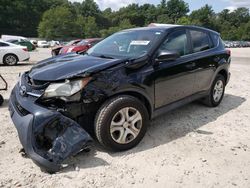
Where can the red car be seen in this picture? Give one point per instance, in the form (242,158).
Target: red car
(82,46)
(55,50)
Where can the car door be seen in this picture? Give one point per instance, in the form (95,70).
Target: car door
(204,58)
(2,50)
(174,80)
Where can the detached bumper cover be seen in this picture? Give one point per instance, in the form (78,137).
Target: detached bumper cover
(37,125)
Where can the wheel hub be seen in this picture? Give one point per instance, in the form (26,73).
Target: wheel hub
(218,90)
(126,125)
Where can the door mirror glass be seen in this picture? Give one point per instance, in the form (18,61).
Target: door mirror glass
(167,56)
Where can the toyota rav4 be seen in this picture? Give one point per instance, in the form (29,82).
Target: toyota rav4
(114,89)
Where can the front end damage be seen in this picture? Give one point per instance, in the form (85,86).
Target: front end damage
(47,135)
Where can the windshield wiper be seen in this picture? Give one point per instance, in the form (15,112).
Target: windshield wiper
(105,56)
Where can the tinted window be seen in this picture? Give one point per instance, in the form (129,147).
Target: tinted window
(3,44)
(215,39)
(200,41)
(176,42)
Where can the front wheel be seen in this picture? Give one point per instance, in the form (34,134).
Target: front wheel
(121,123)
(216,92)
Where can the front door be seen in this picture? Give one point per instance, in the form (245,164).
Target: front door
(174,80)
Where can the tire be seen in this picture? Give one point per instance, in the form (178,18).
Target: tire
(1,100)
(10,59)
(115,111)
(211,100)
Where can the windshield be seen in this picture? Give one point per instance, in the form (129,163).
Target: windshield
(126,44)
(82,43)
(73,42)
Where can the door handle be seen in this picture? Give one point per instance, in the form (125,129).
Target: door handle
(191,65)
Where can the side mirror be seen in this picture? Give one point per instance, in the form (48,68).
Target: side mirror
(167,56)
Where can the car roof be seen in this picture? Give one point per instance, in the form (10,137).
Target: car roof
(165,27)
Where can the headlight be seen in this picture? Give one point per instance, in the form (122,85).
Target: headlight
(65,89)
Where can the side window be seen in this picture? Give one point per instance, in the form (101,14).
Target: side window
(215,39)
(200,41)
(3,44)
(176,42)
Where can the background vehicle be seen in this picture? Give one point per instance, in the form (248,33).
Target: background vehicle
(42,44)
(11,54)
(23,42)
(115,88)
(55,50)
(53,43)
(82,46)
(18,40)
(34,42)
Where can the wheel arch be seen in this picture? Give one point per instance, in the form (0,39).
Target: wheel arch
(224,73)
(139,95)
(11,54)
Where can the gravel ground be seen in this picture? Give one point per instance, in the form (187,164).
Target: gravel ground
(193,146)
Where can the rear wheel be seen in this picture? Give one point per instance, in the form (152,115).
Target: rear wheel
(10,60)
(121,123)
(216,92)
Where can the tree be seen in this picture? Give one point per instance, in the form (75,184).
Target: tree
(124,24)
(176,9)
(21,17)
(90,29)
(57,23)
(185,20)
(204,16)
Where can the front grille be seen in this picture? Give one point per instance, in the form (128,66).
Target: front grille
(19,108)
(31,88)
(36,83)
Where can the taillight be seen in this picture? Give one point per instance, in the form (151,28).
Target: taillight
(25,49)
(228,52)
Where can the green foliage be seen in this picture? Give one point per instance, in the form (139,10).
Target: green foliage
(62,19)
(176,9)
(57,23)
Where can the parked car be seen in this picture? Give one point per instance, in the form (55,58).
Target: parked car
(42,44)
(82,46)
(55,50)
(11,54)
(34,42)
(114,90)
(53,43)
(23,42)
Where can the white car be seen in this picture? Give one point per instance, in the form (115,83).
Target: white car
(43,44)
(11,54)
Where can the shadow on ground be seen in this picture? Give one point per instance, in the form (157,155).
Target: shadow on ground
(5,104)
(165,129)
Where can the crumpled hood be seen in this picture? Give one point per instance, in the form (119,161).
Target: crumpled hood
(68,66)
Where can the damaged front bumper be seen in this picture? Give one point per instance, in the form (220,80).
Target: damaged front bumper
(48,137)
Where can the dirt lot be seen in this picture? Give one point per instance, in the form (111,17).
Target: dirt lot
(193,146)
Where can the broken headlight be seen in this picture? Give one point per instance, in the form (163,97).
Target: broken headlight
(65,89)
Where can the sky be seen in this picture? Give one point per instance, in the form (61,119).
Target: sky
(218,5)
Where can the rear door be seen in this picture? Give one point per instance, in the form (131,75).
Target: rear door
(174,80)
(204,59)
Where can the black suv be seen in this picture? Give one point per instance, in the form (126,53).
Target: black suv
(114,89)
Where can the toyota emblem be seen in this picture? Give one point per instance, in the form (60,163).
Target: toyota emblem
(23,91)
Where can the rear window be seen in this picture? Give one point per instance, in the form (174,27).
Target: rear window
(200,41)
(3,44)
(215,39)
